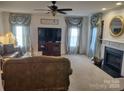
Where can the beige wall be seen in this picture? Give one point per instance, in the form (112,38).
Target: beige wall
(107,18)
(1,24)
(6,24)
(88,34)
(1,29)
(84,40)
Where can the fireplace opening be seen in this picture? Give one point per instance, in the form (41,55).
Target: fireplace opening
(113,61)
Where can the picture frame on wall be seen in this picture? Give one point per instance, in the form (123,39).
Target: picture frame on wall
(49,21)
(116,26)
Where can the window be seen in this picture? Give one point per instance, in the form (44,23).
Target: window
(73,37)
(19,36)
(94,36)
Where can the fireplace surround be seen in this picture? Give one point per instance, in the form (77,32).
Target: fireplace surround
(113,59)
(115,45)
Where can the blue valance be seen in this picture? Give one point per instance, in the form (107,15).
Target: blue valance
(19,19)
(74,20)
(95,19)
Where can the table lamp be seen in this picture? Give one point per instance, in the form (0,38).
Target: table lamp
(10,38)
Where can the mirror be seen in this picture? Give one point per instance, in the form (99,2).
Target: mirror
(116,26)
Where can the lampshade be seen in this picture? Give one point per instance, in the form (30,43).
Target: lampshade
(10,38)
(2,39)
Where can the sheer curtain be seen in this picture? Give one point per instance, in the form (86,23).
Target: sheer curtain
(73,34)
(20,27)
(93,42)
(96,33)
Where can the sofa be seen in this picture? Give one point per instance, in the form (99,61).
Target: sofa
(36,73)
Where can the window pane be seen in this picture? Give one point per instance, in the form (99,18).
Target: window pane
(94,35)
(74,36)
(19,35)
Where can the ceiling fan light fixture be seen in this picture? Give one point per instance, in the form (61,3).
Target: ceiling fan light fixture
(53,13)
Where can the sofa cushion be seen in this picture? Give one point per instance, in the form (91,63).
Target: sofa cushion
(1,49)
(9,48)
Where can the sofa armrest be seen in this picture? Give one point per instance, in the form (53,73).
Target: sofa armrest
(70,71)
(2,75)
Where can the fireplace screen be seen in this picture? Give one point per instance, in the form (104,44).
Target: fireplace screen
(113,59)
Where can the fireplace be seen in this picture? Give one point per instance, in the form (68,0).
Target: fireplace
(113,59)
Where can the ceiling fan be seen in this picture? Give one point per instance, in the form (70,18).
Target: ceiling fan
(54,9)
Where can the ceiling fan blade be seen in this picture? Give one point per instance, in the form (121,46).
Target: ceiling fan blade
(50,7)
(66,9)
(61,12)
(41,10)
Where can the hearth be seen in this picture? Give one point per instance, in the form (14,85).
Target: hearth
(113,59)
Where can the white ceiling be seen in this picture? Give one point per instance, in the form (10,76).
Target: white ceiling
(79,7)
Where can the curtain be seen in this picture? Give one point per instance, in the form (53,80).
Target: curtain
(22,20)
(73,34)
(96,33)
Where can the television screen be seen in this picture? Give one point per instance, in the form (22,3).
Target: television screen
(48,35)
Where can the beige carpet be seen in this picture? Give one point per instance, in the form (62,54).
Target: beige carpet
(87,76)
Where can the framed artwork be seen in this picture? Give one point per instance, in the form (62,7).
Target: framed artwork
(117,26)
(49,21)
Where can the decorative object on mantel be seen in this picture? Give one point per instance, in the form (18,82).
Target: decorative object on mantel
(117,26)
(49,21)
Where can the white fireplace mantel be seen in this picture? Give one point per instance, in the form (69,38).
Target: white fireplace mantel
(115,45)
(119,42)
